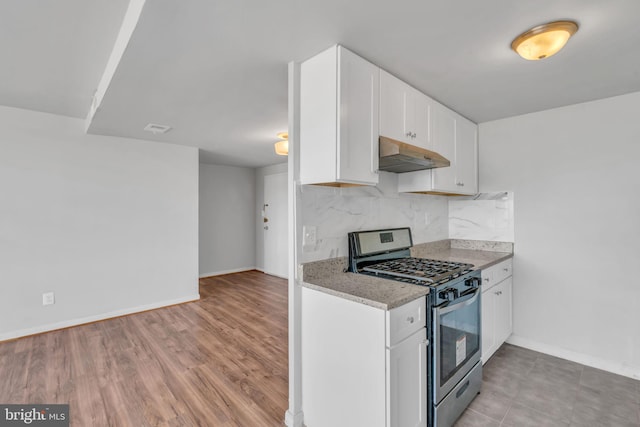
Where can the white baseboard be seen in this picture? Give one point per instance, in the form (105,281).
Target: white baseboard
(89,319)
(276,275)
(220,273)
(584,359)
(293,420)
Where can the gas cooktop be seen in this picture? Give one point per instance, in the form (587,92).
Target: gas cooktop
(419,269)
(386,254)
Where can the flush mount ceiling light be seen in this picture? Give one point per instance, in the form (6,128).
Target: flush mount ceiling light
(544,40)
(282,147)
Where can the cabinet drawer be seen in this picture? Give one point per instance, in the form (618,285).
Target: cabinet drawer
(405,320)
(496,273)
(502,270)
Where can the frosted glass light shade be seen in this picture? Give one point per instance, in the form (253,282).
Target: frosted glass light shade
(545,40)
(282,147)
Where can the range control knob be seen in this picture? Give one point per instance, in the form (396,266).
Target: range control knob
(448,294)
(472,282)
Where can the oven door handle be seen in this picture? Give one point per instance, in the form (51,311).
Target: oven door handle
(450,308)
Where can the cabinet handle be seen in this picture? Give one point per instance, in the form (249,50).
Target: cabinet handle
(486,279)
(460,184)
(498,292)
(408,135)
(506,270)
(414,135)
(410,319)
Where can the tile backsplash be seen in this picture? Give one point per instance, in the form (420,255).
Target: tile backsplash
(336,211)
(487,216)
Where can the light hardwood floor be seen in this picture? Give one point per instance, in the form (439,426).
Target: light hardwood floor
(220,361)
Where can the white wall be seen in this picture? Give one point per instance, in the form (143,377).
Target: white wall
(337,211)
(260,174)
(227,232)
(575,174)
(108,224)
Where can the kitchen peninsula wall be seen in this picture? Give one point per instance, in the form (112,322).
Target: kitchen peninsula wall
(336,211)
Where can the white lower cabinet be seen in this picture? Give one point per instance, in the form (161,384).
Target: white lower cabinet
(504,325)
(407,379)
(496,308)
(363,366)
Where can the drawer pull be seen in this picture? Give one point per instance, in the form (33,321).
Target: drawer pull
(506,270)
(410,319)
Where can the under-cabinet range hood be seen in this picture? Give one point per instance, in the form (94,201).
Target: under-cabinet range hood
(398,157)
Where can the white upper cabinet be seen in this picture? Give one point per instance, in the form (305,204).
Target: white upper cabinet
(339,102)
(455,138)
(444,143)
(346,103)
(457,142)
(404,112)
(466,157)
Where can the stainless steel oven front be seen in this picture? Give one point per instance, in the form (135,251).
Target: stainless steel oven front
(457,371)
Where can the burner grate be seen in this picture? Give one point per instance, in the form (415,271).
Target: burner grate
(424,270)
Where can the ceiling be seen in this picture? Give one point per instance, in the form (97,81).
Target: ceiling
(216,71)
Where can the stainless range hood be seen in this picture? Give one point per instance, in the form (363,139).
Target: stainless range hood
(398,157)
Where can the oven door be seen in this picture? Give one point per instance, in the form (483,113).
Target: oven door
(456,342)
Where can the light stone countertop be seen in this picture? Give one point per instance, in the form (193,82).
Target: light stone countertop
(380,293)
(330,276)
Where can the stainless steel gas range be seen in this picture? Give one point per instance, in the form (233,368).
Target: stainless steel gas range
(453,315)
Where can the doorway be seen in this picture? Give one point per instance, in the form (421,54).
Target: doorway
(276,253)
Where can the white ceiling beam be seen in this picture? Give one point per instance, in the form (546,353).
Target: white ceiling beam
(129,24)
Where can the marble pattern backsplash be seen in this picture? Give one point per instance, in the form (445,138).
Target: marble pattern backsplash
(486,217)
(336,211)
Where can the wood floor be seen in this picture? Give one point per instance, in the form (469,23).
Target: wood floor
(221,361)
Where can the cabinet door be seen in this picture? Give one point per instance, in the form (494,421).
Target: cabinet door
(488,315)
(318,118)
(407,370)
(444,134)
(466,157)
(418,118)
(503,319)
(358,88)
(393,103)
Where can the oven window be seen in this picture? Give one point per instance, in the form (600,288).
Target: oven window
(459,338)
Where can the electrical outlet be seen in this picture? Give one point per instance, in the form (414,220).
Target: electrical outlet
(48,298)
(309,235)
